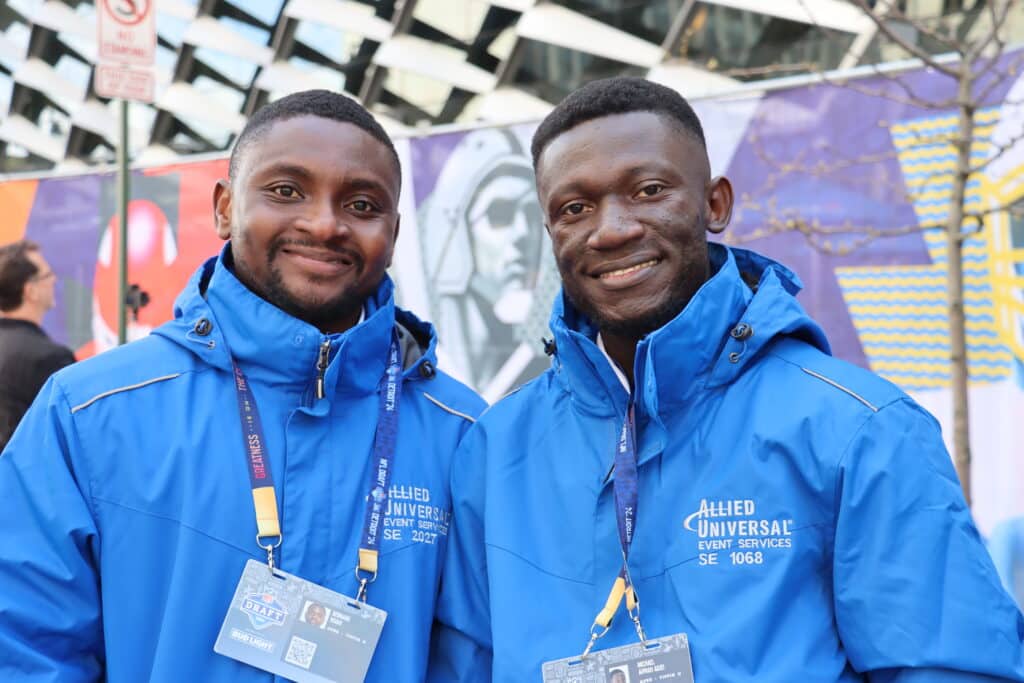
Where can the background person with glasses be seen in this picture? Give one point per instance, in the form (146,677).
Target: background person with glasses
(27,356)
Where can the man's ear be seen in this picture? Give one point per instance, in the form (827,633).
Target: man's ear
(29,293)
(719,204)
(222,208)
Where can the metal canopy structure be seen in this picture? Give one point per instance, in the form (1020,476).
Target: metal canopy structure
(413,62)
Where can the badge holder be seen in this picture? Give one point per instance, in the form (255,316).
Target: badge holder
(294,628)
(658,659)
(648,661)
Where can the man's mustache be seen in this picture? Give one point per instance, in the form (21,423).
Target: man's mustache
(277,245)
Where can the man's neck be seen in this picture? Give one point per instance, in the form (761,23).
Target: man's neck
(622,350)
(24,313)
(347,324)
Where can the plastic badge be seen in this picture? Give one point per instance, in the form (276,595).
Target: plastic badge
(661,659)
(291,627)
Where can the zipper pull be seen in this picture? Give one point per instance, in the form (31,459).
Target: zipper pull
(321,366)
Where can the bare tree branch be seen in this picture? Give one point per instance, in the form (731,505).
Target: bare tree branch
(998,21)
(825,239)
(921,26)
(1000,150)
(1012,69)
(912,49)
(911,99)
(1009,205)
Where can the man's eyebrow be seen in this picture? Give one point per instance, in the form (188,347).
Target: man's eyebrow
(571,188)
(358,183)
(285,168)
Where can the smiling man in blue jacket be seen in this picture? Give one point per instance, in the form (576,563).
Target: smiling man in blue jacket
(696,463)
(132,488)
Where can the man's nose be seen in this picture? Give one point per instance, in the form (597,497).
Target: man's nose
(324,220)
(617,226)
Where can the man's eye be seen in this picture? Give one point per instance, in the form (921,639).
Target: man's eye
(573,209)
(652,189)
(286,191)
(361,205)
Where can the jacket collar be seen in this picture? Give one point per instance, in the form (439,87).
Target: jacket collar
(14,323)
(275,348)
(702,347)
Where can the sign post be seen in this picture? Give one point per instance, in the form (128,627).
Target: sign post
(126,34)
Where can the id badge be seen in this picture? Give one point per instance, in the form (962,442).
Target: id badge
(660,659)
(291,627)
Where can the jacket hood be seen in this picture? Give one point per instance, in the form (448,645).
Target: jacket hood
(712,340)
(216,317)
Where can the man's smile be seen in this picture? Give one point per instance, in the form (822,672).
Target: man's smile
(323,262)
(622,275)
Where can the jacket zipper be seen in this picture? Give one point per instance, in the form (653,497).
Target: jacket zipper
(321,366)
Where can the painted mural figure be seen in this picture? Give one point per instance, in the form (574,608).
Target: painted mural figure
(485,261)
(152,490)
(696,464)
(153,252)
(27,355)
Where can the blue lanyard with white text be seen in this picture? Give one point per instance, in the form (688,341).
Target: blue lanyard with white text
(384,452)
(625,489)
(261,480)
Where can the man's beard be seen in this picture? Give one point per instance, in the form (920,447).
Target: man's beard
(321,313)
(642,325)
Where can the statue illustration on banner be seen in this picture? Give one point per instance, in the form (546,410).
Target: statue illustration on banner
(485,255)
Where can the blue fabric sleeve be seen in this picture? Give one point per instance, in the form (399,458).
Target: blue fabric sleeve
(916,594)
(461,644)
(50,625)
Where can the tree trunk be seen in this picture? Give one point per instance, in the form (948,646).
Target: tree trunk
(955,283)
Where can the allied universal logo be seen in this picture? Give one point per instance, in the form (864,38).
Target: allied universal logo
(732,518)
(264,610)
(734,529)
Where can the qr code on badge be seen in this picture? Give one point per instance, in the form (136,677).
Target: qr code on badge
(300,652)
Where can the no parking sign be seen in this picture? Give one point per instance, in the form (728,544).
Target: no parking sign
(127,37)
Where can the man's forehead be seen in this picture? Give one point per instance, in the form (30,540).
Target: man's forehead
(636,127)
(623,142)
(309,140)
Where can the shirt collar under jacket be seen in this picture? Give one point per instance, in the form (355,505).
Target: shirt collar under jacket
(275,348)
(694,351)
(615,366)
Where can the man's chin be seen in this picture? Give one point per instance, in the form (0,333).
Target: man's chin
(323,312)
(635,322)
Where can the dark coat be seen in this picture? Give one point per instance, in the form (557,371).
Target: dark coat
(27,358)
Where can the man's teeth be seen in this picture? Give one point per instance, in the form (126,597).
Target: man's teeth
(627,271)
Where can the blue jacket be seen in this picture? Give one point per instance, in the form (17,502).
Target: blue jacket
(798,517)
(125,505)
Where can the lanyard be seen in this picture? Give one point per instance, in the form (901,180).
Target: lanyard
(268,526)
(383,463)
(625,487)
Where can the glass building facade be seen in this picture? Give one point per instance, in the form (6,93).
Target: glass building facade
(418,62)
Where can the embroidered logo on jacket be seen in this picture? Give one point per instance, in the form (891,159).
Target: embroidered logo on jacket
(731,532)
(413,514)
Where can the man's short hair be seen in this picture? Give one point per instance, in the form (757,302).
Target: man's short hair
(608,96)
(322,103)
(15,271)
